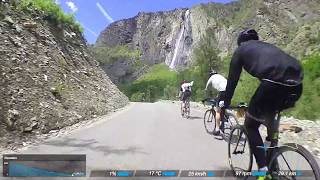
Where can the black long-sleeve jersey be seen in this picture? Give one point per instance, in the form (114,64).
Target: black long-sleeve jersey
(263,61)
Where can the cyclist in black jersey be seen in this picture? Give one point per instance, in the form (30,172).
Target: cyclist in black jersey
(281,77)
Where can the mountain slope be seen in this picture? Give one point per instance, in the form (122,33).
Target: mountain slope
(172,36)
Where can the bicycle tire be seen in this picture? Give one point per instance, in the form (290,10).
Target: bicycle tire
(209,114)
(241,132)
(187,109)
(300,150)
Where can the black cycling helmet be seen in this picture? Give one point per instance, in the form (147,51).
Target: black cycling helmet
(212,72)
(249,34)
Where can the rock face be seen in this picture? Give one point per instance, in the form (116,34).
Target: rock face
(171,36)
(161,37)
(48,79)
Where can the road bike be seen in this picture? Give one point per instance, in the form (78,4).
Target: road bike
(228,120)
(287,161)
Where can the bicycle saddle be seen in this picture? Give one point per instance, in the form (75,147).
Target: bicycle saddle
(242,105)
(290,100)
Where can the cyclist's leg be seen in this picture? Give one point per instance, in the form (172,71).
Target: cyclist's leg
(255,140)
(260,111)
(219,113)
(183,99)
(218,119)
(187,96)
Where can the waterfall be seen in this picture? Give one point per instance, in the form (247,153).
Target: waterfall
(177,46)
(178,41)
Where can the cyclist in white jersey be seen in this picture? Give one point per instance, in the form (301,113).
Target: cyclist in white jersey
(219,83)
(185,91)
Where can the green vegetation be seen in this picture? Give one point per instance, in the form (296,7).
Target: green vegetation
(158,83)
(108,55)
(308,105)
(54,12)
(235,15)
(162,83)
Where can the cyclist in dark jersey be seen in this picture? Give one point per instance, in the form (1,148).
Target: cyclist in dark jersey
(281,77)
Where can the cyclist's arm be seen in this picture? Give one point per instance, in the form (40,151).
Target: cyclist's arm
(208,83)
(233,77)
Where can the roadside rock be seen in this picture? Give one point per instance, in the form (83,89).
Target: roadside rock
(289,127)
(40,89)
(30,25)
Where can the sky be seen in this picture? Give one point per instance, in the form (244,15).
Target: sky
(96,15)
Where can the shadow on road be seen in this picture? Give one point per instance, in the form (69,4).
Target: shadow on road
(194,117)
(92,144)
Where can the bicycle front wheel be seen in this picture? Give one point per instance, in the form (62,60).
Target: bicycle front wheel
(209,121)
(230,121)
(182,109)
(239,152)
(293,161)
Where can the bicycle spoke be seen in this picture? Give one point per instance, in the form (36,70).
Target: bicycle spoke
(286,162)
(235,150)
(290,169)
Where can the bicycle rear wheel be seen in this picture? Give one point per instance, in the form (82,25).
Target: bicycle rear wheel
(239,152)
(187,109)
(209,121)
(293,161)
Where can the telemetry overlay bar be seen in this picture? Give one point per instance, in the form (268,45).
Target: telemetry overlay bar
(191,173)
(157,173)
(44,165)
(206,173)
(137,173)
(112,173)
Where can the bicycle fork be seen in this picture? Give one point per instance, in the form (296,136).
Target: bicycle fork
(244,145)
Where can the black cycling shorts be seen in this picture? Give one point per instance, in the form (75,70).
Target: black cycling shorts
(185,95)
(221,96)
(271,98)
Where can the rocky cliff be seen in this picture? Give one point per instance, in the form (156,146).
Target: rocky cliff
(171,36)
(161,37)
(48,78)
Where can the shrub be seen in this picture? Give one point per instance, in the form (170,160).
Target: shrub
(157,83)
(53,11)
(170,92)
(137,97)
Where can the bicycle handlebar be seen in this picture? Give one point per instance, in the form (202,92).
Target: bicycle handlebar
(239,106)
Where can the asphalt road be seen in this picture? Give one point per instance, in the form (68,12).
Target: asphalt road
(143,136)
